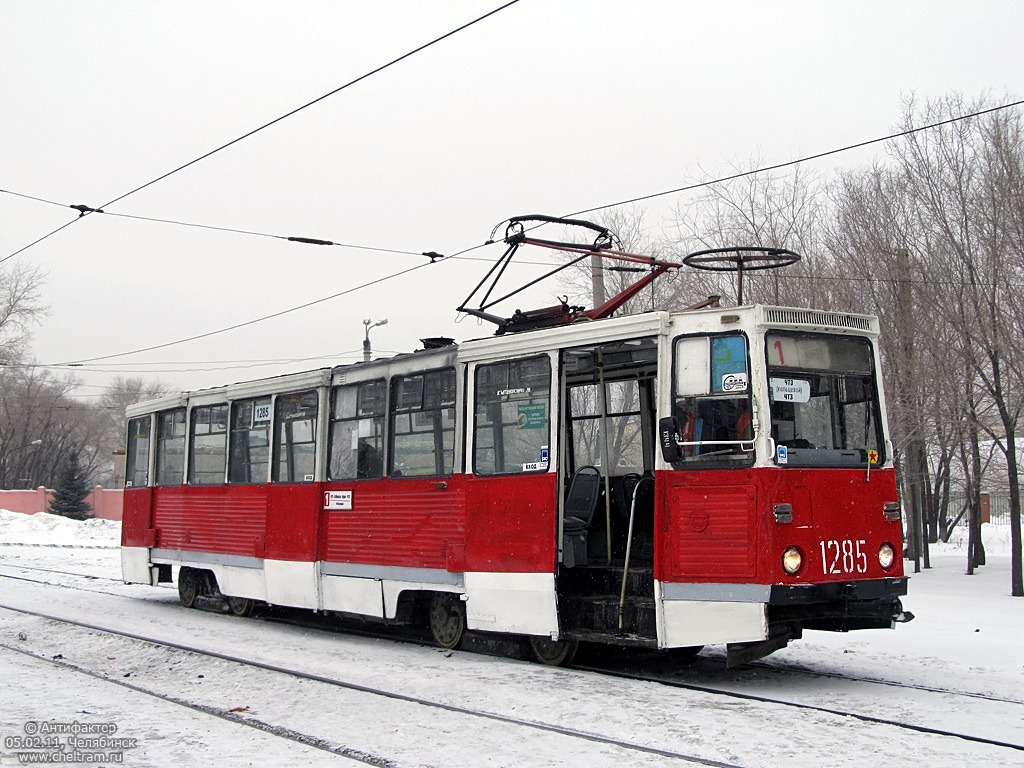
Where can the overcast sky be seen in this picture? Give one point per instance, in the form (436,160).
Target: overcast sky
(546,107)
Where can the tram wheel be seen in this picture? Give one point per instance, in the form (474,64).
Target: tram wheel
(240,606)
(555,653)
(188,586)
(447,619)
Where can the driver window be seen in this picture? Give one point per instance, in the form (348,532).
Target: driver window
(712,406)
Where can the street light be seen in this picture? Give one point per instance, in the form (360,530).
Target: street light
(368,324)
(8,454)
(23,447)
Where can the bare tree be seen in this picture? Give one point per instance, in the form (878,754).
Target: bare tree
(20,307)
(39,422)
(964,182)
(112,425)
(871,232)
(769,210)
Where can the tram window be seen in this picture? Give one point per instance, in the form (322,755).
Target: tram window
(624,422)
(137,456)
(249,458)
(585,400)
(512,417)
(824,410)
(170,447)
(712,403)
(422,421)
(357,431)
(295,418)
(623,396)
(208,457)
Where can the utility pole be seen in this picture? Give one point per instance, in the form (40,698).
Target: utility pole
(912,459)
(368,324)
(597,279)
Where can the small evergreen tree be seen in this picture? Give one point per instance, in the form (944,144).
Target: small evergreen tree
(71,490)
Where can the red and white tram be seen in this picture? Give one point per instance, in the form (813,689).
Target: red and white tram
(667,480)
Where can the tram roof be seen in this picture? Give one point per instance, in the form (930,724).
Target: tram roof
(708,319)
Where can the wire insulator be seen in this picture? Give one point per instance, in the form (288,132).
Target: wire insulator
(84,209)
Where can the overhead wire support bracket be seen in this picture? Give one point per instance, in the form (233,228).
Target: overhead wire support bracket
(84,209)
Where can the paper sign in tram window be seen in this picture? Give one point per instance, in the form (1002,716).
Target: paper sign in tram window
(790,390)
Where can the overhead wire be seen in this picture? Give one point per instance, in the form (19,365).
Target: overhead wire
(86,210)
(111,367)
(33,197)
(807,159)
(232,230)
(215,365)
(292,238)
(247,322)
(460,255)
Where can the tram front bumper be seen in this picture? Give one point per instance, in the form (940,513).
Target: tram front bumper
(839,606)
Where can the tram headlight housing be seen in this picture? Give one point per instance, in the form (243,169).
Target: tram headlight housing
(886,556)
(792,560)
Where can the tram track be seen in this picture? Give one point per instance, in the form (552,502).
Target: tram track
(533,725)
(610,670)
(412,637)
(58,546)
(673,683)
(43,582)
(786,668)
(248,722)
(64,573)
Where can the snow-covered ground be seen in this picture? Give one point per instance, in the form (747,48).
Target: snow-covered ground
(968,637)
(56,531)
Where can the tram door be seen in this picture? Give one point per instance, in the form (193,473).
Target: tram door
(606,478)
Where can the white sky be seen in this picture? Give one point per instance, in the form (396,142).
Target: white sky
(547,107)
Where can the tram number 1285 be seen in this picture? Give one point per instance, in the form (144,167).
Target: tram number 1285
(846,556)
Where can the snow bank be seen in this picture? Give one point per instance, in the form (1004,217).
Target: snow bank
(54,530)
(996,539)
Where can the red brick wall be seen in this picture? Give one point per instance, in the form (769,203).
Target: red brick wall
(105,502)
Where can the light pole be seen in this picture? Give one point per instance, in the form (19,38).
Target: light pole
(7,454)
(368,324)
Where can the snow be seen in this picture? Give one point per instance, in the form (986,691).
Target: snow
(56,531)
(966,638)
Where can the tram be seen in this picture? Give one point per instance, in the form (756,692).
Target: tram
(669,480)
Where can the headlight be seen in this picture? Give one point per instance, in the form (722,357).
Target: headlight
(886,556)
(792,559)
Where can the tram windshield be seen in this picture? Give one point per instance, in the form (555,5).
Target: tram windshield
(823,400)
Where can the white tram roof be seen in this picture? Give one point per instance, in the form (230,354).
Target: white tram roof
(709,320)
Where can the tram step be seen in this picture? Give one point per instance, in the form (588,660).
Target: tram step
(604,579)
(601,614)
(616,638)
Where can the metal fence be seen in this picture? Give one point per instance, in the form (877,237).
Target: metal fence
(998,508)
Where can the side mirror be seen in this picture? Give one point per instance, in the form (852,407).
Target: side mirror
(668,428)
